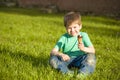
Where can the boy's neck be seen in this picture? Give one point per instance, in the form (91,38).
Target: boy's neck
(74,36)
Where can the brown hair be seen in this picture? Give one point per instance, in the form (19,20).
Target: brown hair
(72,17)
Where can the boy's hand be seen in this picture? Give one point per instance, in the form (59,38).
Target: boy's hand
(81,46)
(65,57)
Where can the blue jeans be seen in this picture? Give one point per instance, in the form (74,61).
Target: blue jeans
(85,63)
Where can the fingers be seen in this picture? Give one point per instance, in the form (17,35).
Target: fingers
(65,57)
(81,46)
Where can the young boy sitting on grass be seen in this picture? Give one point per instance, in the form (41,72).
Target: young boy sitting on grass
(68,52)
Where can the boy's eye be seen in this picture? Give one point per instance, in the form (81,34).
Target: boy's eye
(74,26)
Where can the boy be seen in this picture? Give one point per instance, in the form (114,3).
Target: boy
(68,52)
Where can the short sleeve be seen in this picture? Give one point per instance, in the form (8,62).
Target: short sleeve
(60,43)
(86,40)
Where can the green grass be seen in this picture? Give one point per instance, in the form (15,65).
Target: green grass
(27,37)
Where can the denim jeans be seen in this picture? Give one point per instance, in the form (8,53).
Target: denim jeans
(85,63)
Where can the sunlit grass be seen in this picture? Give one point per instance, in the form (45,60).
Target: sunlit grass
(27,37)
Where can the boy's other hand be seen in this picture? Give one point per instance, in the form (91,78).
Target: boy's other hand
(65,57)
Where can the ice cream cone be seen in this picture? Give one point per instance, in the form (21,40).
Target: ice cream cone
(79,39)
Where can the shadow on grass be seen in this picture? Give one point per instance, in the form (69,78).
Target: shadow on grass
(38,12)
(36,61)
(102,20)
(29,12)
(33,12)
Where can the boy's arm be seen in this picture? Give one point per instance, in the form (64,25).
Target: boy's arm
(56,52)
(86,46)
(89,49)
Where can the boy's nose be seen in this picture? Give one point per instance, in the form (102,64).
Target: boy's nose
(72,29)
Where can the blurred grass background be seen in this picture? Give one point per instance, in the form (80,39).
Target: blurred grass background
(28,35)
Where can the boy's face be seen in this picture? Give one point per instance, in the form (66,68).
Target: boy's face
(73,29)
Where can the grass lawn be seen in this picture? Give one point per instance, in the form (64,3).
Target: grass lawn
(27,37)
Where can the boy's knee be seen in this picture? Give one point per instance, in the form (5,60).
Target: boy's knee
(91,59)
(91,62)
(53,61)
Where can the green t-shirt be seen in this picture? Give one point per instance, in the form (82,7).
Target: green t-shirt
(69,44)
